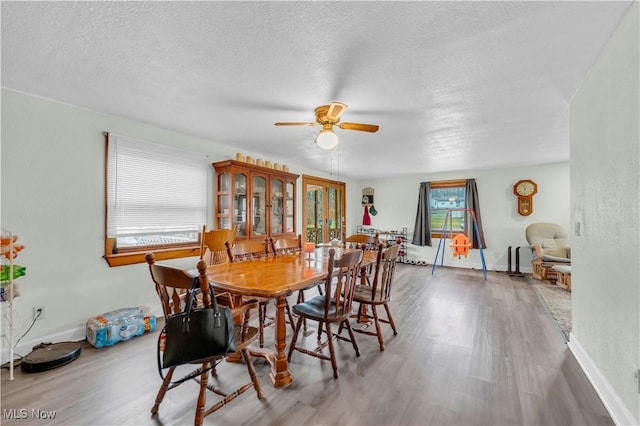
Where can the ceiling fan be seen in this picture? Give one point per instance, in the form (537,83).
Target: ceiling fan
(328,116)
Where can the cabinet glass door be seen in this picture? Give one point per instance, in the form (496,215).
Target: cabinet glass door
(277,207)
(240,203)
(289,207)
(224,201)
(259,204)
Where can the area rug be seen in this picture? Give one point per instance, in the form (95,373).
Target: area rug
(557,301)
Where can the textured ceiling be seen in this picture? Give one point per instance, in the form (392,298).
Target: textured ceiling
(452,85)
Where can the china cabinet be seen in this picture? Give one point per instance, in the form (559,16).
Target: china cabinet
(258,201)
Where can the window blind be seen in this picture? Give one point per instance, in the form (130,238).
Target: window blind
(154,189)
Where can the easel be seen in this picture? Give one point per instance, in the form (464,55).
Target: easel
(443,236)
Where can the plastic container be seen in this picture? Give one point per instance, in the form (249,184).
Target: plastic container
(5,291)
(18,271)
(119,325)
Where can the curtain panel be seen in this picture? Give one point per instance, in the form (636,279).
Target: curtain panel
(473,203)
(422,229)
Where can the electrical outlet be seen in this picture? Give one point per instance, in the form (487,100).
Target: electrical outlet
(38,313)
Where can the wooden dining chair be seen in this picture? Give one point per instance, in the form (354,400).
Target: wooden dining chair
(378,292)
(247,250)
(290,245)
(284,246)
(212,248)
(334,307)
(364,242)
(172,284)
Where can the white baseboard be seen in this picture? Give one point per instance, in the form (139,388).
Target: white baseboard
(25,347)
(612,402)
(72,335)
(527,269)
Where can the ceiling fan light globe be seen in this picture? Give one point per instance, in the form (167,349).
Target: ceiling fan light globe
(327,139)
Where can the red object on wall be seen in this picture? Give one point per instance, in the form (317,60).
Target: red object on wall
(366,219)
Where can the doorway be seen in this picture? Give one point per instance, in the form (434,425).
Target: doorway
(323,204)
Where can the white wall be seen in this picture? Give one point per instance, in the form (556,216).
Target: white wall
(396,201)
(53,197)
(605,199)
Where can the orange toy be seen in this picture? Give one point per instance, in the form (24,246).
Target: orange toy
(6,252)
(460,245)
(8,248)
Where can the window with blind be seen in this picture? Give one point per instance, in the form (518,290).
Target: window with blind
(156,195)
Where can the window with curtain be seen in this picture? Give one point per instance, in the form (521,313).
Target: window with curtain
(447,195)
(156,194)
(455,196)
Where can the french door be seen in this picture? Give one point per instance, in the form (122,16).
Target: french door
(323,204)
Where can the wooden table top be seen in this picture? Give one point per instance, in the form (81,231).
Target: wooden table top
(275,276)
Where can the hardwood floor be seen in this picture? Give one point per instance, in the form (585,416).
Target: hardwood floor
(468,352)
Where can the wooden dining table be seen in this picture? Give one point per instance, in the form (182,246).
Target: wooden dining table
(276,278)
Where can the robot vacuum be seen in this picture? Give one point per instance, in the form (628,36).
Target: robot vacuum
(46,356)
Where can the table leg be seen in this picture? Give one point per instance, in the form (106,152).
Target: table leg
(280,375)
(362,314)
(237,319)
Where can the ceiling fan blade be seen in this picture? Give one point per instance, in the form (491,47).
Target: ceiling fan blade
(335,111)
(296,124)
(372,128)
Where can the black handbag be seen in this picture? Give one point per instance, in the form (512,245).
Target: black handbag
(198,333)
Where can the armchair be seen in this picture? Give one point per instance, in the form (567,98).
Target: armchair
(550,247)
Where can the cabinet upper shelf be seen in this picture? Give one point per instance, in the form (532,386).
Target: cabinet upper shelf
(239,165)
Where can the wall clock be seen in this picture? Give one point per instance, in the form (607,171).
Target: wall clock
(524,190)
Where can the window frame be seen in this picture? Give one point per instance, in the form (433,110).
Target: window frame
(456,183)
(133,255)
